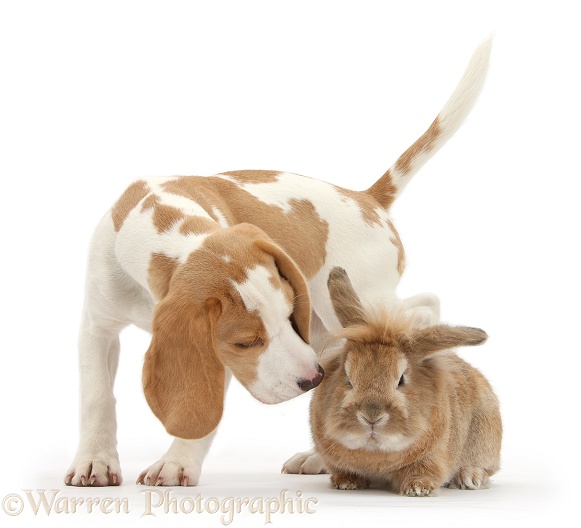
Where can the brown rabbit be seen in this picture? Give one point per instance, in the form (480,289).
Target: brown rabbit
(396,405)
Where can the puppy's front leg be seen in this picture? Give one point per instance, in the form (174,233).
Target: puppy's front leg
(96,462)
(182,463)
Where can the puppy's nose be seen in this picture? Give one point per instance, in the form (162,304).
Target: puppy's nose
(308,384)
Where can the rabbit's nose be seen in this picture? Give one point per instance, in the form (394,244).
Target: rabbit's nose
(372,417)
(369,421)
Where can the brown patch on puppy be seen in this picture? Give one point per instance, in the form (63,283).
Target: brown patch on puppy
(161,268)
(200,190)
(126,203)
(287,229)
(423,143)
(383,191)
(254,176)
(164,216)
(149,202)
(367,205)
(303,219)
(197,225)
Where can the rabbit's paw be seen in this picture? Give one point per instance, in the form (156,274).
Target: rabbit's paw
(349,481)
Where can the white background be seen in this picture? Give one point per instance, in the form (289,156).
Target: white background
(96,94)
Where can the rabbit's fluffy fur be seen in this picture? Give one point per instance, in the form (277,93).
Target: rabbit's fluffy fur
(397,406)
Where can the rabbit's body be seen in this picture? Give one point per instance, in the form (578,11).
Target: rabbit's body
(390,408)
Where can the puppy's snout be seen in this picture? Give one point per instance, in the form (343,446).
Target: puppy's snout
(308,384)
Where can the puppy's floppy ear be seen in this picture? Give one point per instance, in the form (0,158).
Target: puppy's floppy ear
(345,301)
(183,377)
(427,341)
(290,271)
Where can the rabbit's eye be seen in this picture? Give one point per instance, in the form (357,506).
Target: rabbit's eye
(401,381)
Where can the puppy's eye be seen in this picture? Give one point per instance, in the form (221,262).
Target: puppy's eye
(348,383)
(258,342)
(401,381)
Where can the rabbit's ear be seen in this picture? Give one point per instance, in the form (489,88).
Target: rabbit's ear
(427,341)
(345,301)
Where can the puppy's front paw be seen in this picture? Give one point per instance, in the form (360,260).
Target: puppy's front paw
(170,473)
(94,471)
(344,481)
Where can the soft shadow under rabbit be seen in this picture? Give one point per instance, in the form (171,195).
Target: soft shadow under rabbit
(397,405)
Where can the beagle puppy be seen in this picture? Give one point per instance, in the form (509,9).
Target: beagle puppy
(229,274)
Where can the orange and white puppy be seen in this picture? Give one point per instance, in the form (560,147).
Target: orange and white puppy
(217,299)
(226,272)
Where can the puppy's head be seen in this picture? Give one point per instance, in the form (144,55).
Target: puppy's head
(238,302)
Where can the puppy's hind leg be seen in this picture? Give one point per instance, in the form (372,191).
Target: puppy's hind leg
(97,461)
(425,308)
(305,463)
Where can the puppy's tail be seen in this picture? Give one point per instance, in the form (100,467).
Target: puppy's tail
(391,184)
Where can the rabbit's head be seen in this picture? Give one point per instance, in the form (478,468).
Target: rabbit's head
(382,392)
